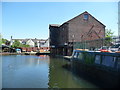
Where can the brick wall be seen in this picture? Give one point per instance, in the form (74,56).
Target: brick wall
(29,49)
(85,29)
(75,30)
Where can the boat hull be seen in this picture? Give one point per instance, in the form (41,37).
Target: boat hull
(99,67)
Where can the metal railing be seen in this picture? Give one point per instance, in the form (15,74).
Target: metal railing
(96,44)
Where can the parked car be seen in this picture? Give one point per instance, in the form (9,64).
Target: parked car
(104,48)
(115,48)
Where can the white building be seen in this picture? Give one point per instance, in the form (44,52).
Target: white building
(33,42)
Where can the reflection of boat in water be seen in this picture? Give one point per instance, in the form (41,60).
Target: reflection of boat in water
(104,67)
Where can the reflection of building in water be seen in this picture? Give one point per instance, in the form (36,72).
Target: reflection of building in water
(57,76)
(30,61)
(43,58)
(119,18)
(60,77)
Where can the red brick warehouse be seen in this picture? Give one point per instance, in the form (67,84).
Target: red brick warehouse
(80,28)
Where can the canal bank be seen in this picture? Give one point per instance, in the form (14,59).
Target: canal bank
(25,53)
(7,53)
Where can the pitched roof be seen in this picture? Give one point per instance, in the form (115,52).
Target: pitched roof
(82,14)
(34,40)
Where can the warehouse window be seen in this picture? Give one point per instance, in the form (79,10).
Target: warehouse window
(85,16)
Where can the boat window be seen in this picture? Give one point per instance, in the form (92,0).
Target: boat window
(108,61)
(80,56)
(75,55)
(97,59)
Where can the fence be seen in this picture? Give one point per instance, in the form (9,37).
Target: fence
(96,44)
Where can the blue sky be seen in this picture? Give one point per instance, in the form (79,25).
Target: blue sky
(32,19)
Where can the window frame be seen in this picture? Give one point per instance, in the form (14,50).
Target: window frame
(86,16)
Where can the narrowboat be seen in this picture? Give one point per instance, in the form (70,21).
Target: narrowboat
(103,67)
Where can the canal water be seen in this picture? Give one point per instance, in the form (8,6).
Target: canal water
(21,71)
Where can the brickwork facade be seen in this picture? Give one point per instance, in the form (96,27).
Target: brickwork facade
(83,27)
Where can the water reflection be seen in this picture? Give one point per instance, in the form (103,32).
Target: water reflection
(61,78)
(25,72)
(39,72)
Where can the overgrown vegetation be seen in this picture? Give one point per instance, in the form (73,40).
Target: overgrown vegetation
(4,41)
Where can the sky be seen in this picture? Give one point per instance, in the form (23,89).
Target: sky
(31,19)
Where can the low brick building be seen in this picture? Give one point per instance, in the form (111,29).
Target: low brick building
(80,28)
(34,49)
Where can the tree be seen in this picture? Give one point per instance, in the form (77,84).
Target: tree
(22,45)
(108,37)
(0,40)
(3,41)
(109,33)
(18,44)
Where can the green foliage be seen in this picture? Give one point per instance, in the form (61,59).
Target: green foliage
(22,45)
(108,37)
(4,40)
(0,40)
(18,44)
(109,33)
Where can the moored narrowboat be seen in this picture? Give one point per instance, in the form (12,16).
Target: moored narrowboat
(102,66)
